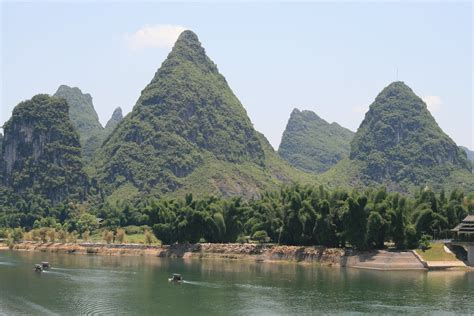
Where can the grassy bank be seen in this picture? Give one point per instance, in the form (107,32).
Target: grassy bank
(436,253)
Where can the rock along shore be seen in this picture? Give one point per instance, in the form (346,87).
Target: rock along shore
(377,260)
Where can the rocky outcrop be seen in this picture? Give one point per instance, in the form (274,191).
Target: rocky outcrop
(41,151)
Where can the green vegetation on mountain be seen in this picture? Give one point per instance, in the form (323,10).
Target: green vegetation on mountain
(42,159)
(113,121)
(84,118)
(187,132)
(245,179)
(400,145)
(312,144)
(470,155)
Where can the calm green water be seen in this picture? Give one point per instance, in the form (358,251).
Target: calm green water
(138,285)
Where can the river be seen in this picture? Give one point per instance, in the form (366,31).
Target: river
(81,284)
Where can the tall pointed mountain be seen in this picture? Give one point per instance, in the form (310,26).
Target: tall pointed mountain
(187,131)
(42,154)
(84,118)
(312,144)
(400,144)
(112,123)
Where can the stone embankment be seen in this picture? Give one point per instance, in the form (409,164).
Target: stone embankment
(385,260)
(377,260)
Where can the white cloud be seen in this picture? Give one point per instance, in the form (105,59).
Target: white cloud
(433,102)
(154,36)
(360,108)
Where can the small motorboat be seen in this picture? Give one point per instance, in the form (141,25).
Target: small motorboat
(177,278)
(38,268)
(45,265)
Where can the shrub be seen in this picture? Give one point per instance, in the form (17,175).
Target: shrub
(43,234)
(108,236)
(62,235)
(52,235)
(28,236)
(72,237)
(260,236)
(35,235)
(17,234)
(148,237)
(425,242)
(242,239)
(3,233)
(86,235)
(120,235)
(133,230)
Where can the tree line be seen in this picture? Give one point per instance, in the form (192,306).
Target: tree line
(294,215)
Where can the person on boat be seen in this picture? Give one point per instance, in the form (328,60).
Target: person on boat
(176,278)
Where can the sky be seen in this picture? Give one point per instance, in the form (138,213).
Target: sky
(329,57)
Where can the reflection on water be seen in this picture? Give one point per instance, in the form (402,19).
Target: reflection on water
(139,285)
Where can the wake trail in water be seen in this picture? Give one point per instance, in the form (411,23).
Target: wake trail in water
(255,287)
(204,284)
(56,273)
(38,308)
(96,271)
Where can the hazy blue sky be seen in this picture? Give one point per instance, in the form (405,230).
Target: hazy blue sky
(332,58)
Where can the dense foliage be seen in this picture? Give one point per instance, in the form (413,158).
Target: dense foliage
(312,144)
(42,165)
(399,141)
(294,215)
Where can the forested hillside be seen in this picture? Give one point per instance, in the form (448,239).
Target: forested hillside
(187,132)
(400,145)
(42,166)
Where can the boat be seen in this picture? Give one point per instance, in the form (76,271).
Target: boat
(177,278)
(45,265)
(38,268)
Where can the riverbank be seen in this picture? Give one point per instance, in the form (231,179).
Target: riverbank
(376,260)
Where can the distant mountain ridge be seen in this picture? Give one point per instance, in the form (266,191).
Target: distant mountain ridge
(112,123)
(85,119)
(470,155)
(311,144)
